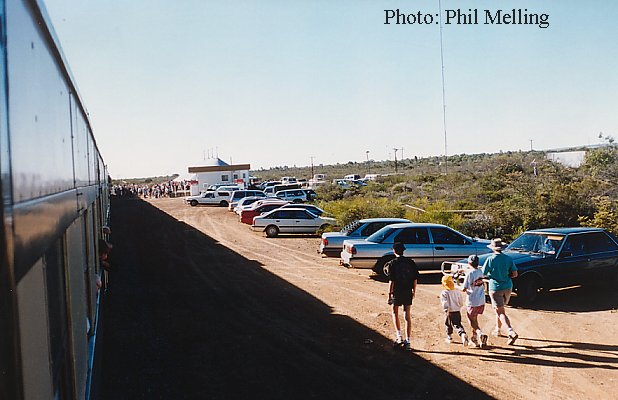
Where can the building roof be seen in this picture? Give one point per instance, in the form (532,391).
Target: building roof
(219,165)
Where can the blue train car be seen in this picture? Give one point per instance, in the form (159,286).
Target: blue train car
(55,200)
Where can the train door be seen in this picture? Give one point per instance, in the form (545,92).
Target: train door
(82,320)
(44,326)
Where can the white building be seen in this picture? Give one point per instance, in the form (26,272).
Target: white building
(573,159)
(217,171)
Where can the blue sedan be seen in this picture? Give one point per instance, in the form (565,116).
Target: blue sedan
(561,257)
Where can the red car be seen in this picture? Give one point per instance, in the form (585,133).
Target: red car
(246,216)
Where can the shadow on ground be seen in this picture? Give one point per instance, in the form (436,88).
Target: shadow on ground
(593,297)
(187,318)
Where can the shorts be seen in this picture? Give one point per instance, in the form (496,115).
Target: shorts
(500,298)
(402,298)
(474,312)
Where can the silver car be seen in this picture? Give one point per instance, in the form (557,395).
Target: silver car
(427,244)
(332,242)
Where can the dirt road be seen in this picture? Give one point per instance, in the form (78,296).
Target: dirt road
(202,307)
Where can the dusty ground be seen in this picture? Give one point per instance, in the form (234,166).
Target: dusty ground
(201,307)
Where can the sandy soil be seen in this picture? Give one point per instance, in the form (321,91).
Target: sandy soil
(207,300)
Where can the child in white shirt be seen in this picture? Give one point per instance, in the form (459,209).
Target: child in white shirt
(452,301)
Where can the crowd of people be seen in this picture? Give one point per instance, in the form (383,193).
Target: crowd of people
(498,270)
(158,190)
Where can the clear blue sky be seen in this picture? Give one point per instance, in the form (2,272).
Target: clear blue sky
(275,83)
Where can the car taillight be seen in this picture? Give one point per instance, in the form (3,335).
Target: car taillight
(351,249)
(325,241)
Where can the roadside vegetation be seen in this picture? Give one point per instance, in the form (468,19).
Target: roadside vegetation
(483,195)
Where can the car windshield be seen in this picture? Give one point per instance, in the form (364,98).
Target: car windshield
(547,243)
(380,235)
(351,227)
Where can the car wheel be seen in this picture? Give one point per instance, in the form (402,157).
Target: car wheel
(223,203)
(529,289)
(379,268)
(193,203)
(271,231)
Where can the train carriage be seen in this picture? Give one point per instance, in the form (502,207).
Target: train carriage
(55,200)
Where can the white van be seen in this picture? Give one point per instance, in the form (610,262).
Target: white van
(352,177)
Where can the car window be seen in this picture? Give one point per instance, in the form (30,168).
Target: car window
(380,235)
(373,227)
(588,243)
(302,214)
(447,236)
(223,193)
(413,236)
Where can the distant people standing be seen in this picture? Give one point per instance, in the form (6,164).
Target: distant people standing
(475,305)
(403,275)
(500,268)
(452,301)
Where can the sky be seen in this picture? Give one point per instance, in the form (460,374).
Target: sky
(169,84)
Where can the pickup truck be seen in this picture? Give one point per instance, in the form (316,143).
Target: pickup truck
(219,197)
(331,243)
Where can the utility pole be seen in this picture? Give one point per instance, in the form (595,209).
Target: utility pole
(312,174)
(395,151)
(368,166)
(530,144)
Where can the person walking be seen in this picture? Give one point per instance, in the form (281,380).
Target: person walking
(500,269)
(452,302)
(475,305)
(403,275)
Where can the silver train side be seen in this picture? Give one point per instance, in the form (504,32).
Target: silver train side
(55,200)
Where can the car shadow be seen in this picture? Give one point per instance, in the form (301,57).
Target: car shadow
(587,298)
(186,317)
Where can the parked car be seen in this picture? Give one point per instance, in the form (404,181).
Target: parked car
(332,242)
(240,194)
(218,197)
(246,202)
(292,195)
(288,179)
(290,220)
(427,244)
(261,207)
(561,257)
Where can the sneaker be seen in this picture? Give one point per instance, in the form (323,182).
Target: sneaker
(496,332)
(512,338)
(473,343)
(406,345)
(483,341)
(398,342)
(449,339)
(464,339)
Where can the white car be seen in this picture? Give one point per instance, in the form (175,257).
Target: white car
(219,197)
(290,220)
(241,194)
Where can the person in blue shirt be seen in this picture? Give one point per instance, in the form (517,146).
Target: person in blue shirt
(499,269)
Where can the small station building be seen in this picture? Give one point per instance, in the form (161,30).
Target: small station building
(216,171)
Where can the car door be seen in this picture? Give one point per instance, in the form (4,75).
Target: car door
(283,219)
(602,256)
(418,246)
(570,264)
(304,222)
(449,245)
